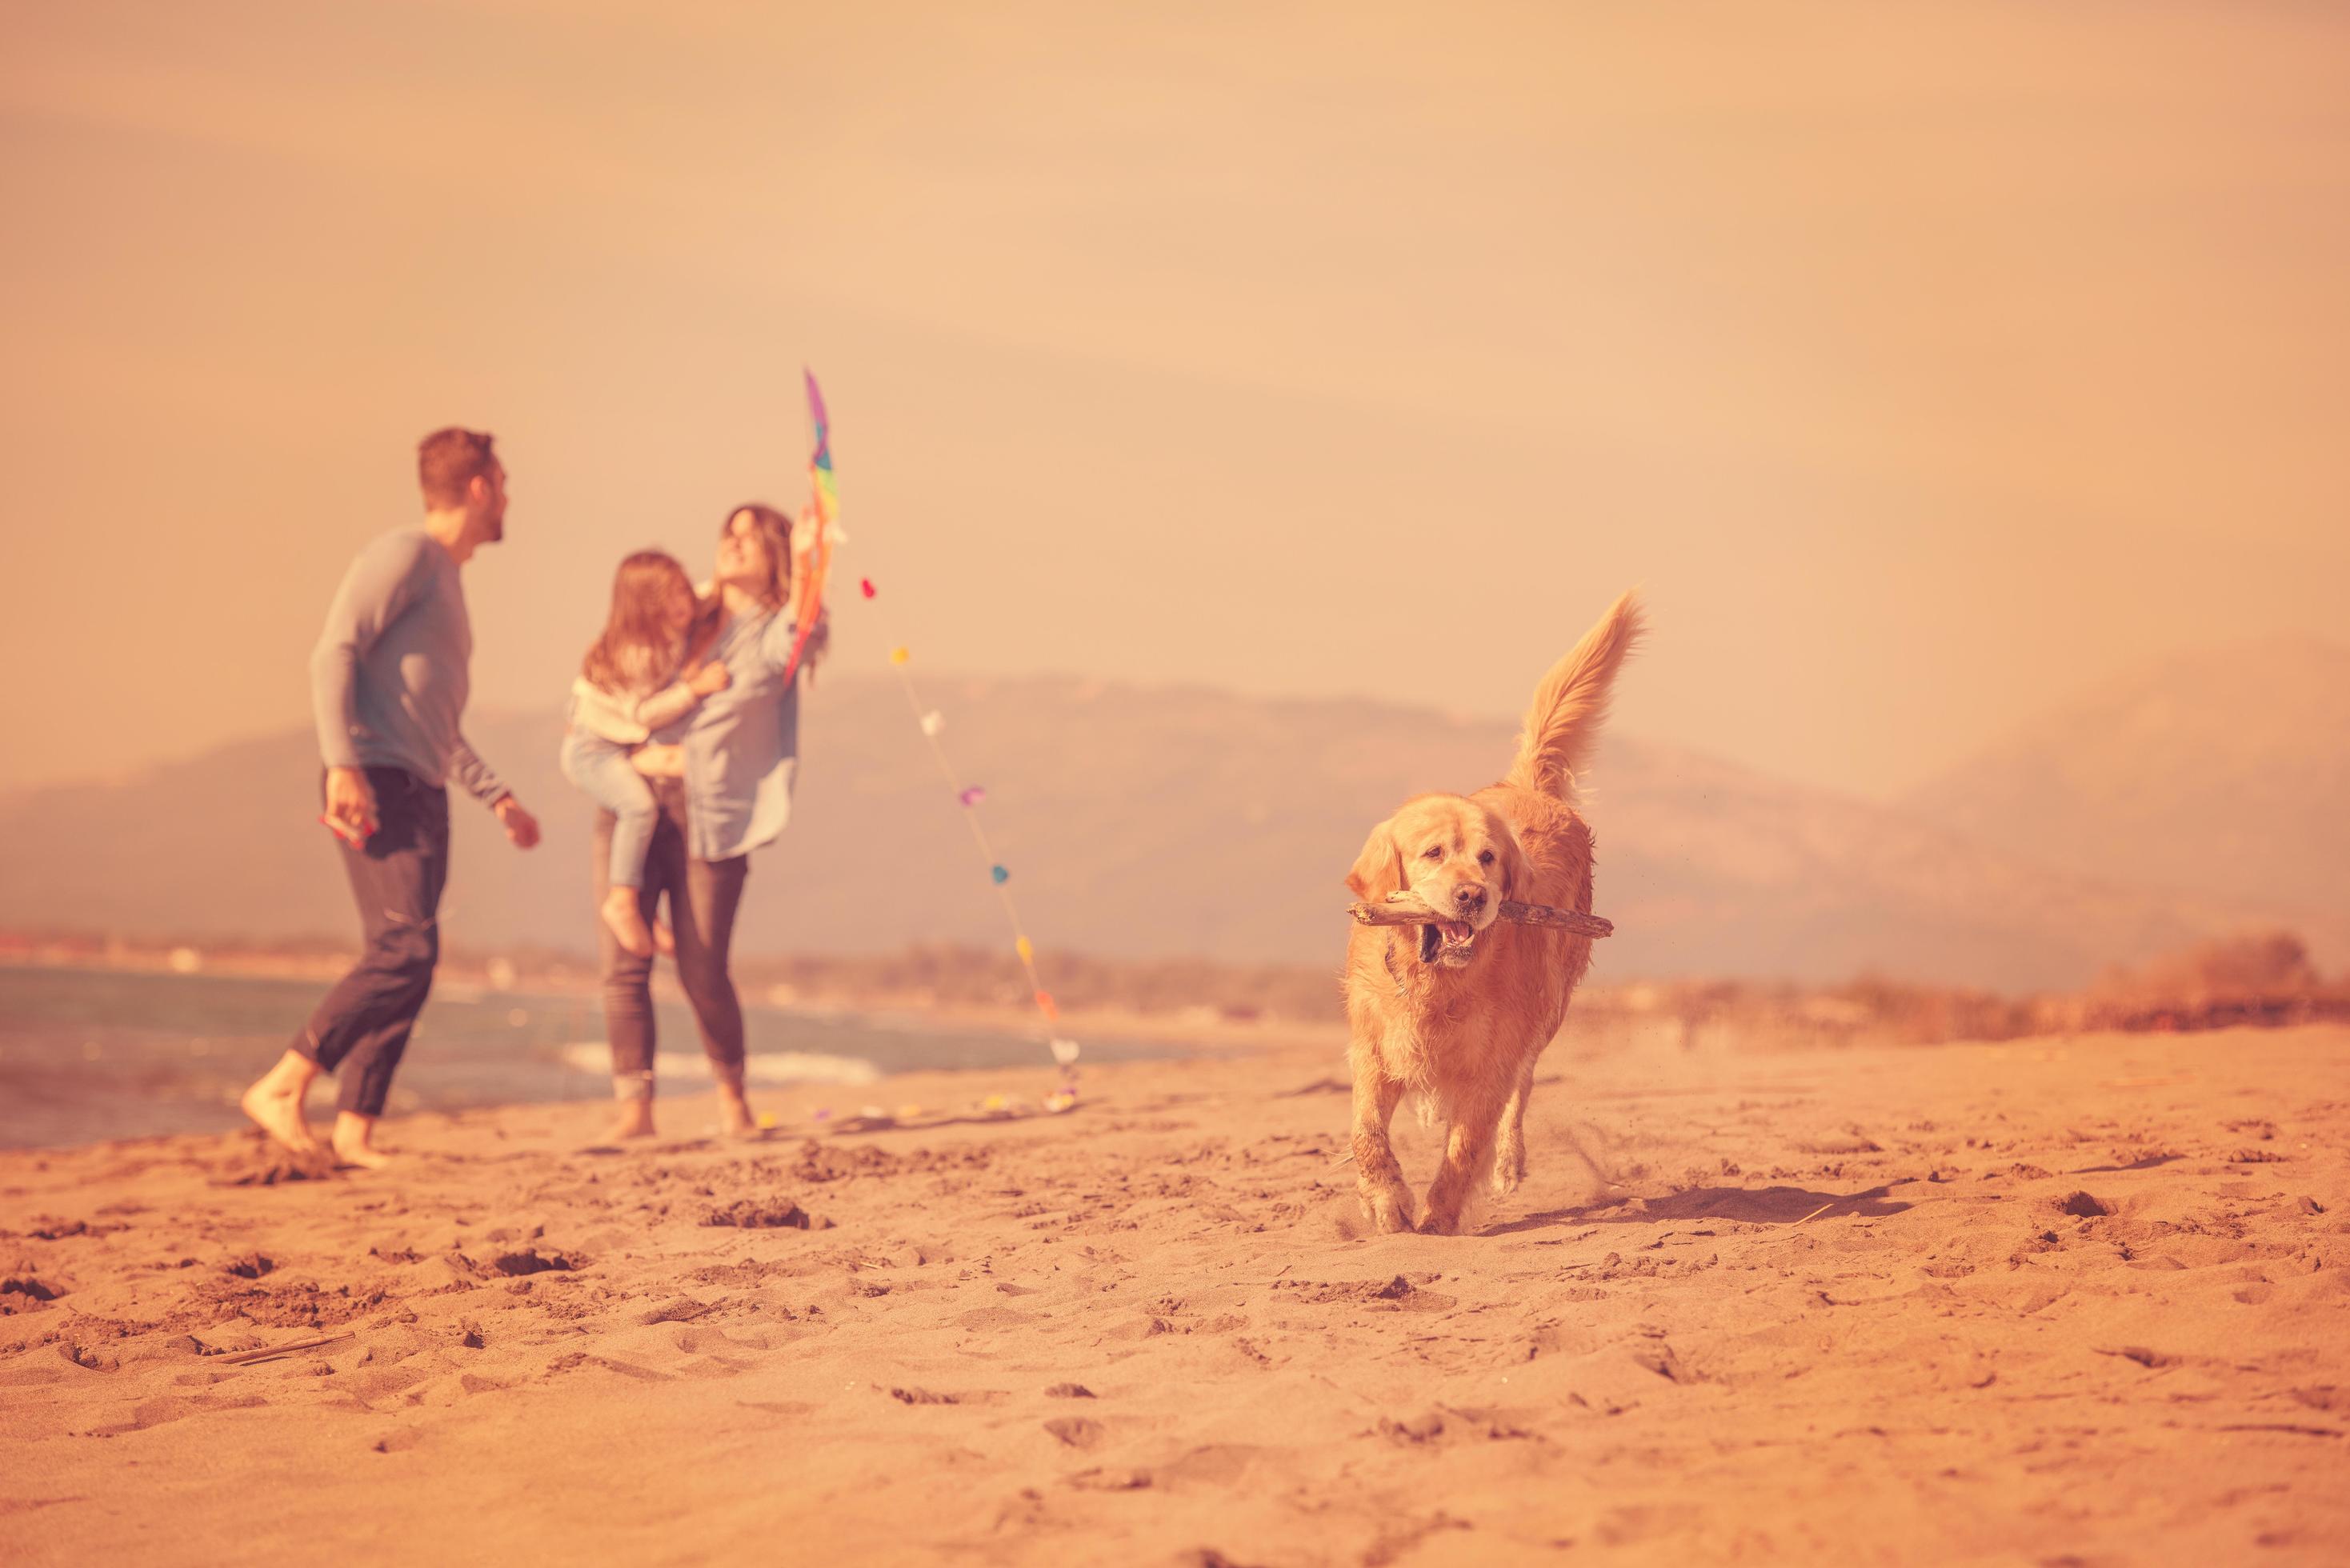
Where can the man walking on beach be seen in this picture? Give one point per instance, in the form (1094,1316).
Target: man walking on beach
(388,685)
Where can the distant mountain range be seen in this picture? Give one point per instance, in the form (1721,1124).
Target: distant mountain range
(1151,822)
(2225,775)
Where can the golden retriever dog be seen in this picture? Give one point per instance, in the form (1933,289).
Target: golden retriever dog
(1458,1011)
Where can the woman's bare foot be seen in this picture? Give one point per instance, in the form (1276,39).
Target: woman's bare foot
(628,922)
(275,1102)
(634,1119)
(355,1142)
(734,1116)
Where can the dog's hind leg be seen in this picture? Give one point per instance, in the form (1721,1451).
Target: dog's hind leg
(1510,1138)
(1474,1123)
(1378,1179)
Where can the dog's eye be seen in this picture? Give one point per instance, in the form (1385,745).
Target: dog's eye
(1433,852)
(1484,857)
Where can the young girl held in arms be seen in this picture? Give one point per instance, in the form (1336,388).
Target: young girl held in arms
(643,672)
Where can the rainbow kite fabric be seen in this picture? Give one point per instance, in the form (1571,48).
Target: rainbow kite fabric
(819,530)
(825,497)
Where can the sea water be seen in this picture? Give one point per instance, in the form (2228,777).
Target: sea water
(87,1054)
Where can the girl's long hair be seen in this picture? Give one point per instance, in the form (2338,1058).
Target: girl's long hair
(775,531)
(638,642)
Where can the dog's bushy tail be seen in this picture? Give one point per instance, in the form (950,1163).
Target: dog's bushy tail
(1570,704)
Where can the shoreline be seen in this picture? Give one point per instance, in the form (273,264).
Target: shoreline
(88,1054)
(468,981)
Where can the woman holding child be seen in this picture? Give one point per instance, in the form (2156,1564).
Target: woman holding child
(686,732)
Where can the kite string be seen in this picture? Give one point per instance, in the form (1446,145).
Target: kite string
(1021,947)
(825,507)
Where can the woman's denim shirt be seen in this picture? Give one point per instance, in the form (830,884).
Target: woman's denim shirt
(741,745)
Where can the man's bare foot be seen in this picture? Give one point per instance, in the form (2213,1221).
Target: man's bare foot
(628,922)
(634,1119)
(355,1142)
(734,1116)
(275,1102)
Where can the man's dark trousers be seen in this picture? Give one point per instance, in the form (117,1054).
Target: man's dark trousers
(396,879)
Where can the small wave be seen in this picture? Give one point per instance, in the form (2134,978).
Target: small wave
(759,1067)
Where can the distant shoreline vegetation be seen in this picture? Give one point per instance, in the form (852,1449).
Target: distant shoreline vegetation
(2261,978)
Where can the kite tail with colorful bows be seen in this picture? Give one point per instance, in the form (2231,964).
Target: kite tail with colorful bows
(825,505)
(932,723)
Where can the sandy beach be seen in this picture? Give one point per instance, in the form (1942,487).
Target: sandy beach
(2075,1301)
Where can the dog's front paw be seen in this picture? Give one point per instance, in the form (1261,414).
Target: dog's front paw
(1386,1205)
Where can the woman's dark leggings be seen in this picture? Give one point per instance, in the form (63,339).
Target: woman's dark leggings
(702,896)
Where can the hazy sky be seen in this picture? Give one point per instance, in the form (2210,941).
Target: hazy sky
(1925,364)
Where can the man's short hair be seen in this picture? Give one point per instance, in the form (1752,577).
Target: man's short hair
(448,462)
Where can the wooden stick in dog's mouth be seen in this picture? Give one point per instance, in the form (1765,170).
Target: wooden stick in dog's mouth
(1403,909)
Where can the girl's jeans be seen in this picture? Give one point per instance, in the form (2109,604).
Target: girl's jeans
(601,768)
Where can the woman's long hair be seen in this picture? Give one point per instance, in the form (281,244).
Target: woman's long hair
(775,531)
(638,644)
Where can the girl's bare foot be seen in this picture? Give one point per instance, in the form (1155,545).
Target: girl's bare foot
(355,1142)
(275,1102)
(634,1119)
(628,922)
(734,1116)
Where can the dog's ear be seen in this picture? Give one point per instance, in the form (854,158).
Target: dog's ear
(1378,869)
(1515,873)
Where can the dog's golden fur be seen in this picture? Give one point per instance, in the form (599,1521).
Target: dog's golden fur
(1459,1012)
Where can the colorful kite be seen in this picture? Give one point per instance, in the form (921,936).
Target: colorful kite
(818,532)
(812,546)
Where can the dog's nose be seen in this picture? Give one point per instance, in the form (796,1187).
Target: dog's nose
(1468,900)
